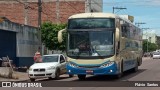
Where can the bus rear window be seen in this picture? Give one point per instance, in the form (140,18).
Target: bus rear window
(91,23)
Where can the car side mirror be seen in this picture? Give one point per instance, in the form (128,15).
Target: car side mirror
(62,61)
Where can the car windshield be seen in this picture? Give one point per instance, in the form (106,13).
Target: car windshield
(50,59)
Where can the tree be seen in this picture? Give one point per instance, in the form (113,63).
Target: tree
(151,46)
(49,32)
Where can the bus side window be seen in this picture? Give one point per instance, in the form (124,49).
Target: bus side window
(124,31)
(127,44)
(136,44)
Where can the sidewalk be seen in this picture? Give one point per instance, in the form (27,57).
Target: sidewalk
(147,58)
(22,76)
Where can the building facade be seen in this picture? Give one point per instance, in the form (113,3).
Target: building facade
(18,33)
(150,35)
(56,11)
(19,42)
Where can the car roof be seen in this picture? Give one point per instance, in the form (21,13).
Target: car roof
(156,53)
(53,55)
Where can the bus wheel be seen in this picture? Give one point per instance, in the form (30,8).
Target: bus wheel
(135,69)
(82,77)
(71,75)
(121,73)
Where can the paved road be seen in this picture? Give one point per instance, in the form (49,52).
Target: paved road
(148,71)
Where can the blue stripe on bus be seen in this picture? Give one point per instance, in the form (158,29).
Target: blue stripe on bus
(96,71)
(129,64)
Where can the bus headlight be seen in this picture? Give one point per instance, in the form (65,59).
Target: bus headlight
(72,64)
(109,63)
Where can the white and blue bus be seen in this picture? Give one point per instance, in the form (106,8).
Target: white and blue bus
(101,44)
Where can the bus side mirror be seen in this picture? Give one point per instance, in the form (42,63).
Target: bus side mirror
(118,41)
(117,34)
(60,35)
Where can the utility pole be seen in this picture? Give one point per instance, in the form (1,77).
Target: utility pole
(146,36)
(39,24)
(26,12)
(120,8)
(39,13)
(88,6)
(57,11)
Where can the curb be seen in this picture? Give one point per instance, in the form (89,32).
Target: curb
(14,80)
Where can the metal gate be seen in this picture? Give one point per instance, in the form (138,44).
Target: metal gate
(8,44)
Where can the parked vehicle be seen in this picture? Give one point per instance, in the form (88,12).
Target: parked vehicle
(52,66)
(148,54)
(156,55)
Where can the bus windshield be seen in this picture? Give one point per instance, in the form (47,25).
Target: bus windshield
(91,23)
(91,43)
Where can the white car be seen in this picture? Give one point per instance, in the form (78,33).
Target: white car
(52,66)
(156,55)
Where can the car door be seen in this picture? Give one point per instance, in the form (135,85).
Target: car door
(62,64)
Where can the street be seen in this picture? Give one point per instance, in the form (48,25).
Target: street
(148,71)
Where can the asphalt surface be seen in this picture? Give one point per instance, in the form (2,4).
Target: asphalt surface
(148,71)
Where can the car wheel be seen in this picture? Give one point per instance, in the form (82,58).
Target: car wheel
(82,77)
(50,78)
(71,75)
(57,74)
(32,79)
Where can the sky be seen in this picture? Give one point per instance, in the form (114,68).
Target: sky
(144,11)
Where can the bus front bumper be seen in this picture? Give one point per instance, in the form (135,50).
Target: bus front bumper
(109,70)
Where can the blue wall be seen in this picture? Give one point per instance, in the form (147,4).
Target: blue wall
(24,61)
(8,44)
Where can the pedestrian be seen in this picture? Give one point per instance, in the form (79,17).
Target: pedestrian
(37,57)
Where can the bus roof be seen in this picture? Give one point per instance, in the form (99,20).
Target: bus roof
(93,15)
(98,15)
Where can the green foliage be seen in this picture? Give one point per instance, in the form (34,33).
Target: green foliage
(49,36)
(151,46)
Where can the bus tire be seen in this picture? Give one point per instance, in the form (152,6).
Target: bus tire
(82,77)
(140,62)
(71,75)
(121,72)
(135,69)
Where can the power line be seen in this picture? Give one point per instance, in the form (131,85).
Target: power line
(32,8)
(50,14)
(72,6)
(138,23)
(27,6)
(119,8)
